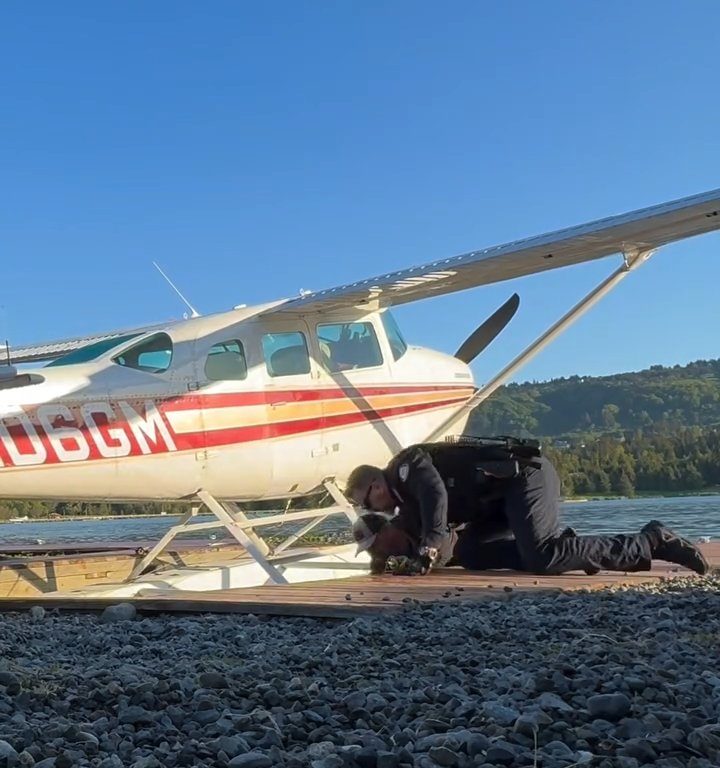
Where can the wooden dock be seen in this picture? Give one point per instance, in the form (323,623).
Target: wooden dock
(28,571)
(365,595)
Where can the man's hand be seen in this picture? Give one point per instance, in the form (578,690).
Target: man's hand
(409,566)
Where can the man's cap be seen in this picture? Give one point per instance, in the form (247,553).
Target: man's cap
(359,481)
(366,528)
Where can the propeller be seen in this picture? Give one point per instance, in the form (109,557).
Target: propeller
(484,334)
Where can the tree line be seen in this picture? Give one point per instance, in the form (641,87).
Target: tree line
(654,462)
(677,461)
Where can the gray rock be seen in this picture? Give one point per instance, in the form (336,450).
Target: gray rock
(501,752)
(642,749)
(424,743)
(25,759)
(609,706)
(135,715)
(559,749)
(499,713)
(213,680)
(444,756)
(251,760)
(119,612)
(230,745)
(623,761)
(10,682)
(585,758)
(706,739)
(530,723)
(630,728)
(365,758)
(354,700)
(148,761)
(389,760)
(477,744)
(8,752)
(330,761)
(321,749)
(553,701)
(206,716)
(111,762)
(375,702)
(84,737)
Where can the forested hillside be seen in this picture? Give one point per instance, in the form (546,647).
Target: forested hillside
(651,431)
(685,460)
(657,399)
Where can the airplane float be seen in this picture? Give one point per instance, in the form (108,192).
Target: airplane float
(281,399)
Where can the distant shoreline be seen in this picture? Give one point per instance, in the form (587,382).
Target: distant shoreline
(641,495)
(93,518)
(169,515)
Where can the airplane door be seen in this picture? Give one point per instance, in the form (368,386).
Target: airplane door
(293,407)
(357,418)
(236,459)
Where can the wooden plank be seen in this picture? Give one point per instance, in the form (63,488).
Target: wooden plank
(41,575)
(71,547)
(361,595)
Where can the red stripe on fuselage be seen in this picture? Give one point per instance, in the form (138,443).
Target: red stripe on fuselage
(220,437)
(272,397)
(113,431)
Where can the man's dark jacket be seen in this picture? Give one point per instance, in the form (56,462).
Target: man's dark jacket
(441,484)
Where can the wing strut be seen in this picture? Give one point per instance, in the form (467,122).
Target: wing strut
(233,519)
(631,261)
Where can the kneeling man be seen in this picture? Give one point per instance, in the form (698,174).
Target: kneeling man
(439,486)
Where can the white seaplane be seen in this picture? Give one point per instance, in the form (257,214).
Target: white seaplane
(281,399)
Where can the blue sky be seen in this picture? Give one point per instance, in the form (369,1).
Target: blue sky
(254,149)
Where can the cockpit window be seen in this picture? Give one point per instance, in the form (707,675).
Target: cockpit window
(345,346)
(152,355)
(91,351)
(286,354)
(226,362)
(398,346)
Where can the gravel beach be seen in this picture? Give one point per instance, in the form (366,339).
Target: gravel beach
(612,679)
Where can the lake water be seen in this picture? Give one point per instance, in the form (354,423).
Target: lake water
(692,516)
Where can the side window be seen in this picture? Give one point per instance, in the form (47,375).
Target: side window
(152,355)
(226,362)
(286,354)
(344,346)
(395,338)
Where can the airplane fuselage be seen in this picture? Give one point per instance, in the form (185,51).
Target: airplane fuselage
(240,406)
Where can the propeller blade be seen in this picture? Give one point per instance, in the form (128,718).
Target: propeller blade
(483,336)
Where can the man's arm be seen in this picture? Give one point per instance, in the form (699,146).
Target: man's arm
(419,481)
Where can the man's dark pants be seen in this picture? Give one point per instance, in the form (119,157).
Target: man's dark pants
(533,522)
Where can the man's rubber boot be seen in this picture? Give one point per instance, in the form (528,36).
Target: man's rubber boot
(571,533)
(667,545)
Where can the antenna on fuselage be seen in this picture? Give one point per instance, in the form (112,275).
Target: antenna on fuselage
(7,369)
(193,311)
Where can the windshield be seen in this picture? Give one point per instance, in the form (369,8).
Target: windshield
(91,351)
(397,342)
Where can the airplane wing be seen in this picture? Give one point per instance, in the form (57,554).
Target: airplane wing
(36,353)
(644,229)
